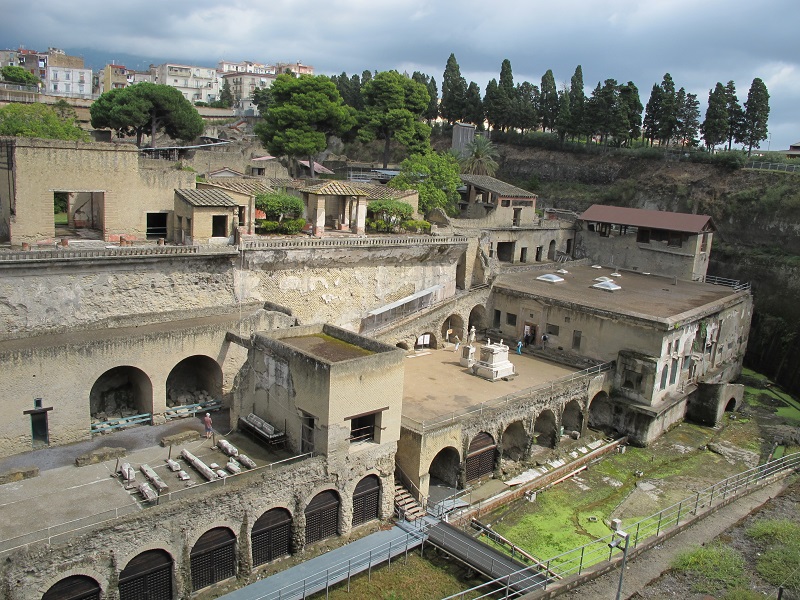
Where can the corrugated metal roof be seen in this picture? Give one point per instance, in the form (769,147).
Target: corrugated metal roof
(651,219)
(496,186)
(206,197)
(334,188)
(318,168)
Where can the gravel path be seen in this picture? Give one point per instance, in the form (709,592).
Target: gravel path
(650,565)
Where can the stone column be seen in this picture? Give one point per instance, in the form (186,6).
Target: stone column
(359,225)
(345,214)
(319,216)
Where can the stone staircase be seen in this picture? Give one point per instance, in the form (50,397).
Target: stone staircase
(406,506)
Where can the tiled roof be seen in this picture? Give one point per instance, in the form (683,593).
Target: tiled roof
(651,219)
(206,197)
(318,168)
(376,191)
(243,185)
(501,188)
(334,188)
(278,183)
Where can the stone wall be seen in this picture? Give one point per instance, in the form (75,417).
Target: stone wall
(103,552)
(110,171)
(62,370)
(58,296)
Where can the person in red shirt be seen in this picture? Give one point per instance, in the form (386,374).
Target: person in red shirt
(207,422)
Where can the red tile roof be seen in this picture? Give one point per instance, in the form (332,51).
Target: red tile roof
(651,219)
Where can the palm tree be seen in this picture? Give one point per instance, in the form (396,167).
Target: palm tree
(480,157)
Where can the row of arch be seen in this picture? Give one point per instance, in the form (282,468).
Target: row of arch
(213,557)
(517,441)
(454,323)
(129,388)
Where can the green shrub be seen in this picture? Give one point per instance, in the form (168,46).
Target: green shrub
(279,205)
(730,161)
(288,226)
(378,225)
(393,212)
(292,226)
(718,566)
(416,226)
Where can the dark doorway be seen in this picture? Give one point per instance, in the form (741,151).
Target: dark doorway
(39,430)
(523,255)
(219,226)
(461,272)
(119,392)
(445,466)
(480,456)
(272,535)
(148,576)
(505,251)
(322,516)
(544,429)
(77,587)
(307,434)
(551,250)
(213,558)
(538,253)
(366,500)
(156,226)
(194,380)
(517,217)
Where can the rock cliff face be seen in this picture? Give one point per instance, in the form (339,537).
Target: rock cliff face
(757,214)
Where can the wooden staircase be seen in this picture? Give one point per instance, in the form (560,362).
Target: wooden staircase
(406,506)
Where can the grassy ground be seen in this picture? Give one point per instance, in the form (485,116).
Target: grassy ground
(60,218)
(415,579)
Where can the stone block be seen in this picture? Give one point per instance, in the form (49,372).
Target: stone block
(19,474)
(99,455)
(181,437)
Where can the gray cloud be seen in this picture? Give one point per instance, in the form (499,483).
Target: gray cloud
(698,43)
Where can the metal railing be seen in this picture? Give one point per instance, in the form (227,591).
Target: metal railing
(69,529)
(574,562)
(406,482)
(355,242)
(737,285)
(769,166)
(503,401)
(344,570)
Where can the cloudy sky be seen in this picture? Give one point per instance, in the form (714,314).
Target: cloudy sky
(699,42)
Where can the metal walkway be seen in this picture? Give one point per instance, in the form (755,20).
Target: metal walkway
(483,558)
(330,568)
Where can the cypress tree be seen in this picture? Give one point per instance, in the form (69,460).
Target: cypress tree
(756,115)
(735,115)
(577,100)
(548,101)
(715,125)
(454,92)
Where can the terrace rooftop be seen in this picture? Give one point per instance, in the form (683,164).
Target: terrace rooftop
(436,385)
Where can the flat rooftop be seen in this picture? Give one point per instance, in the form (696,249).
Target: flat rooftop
(643,296)
(326,347)
(436,384)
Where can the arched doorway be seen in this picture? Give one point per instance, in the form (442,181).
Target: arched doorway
(477,318)
(194,380)
(426,340)
(213,557)
(454,324)
(572,417)
(76,587)
(271,536)
(601,414)
(147,575)
(515,441)
(403,345)
(445,466)
(731,405)
(544,430)
(551,250)
(120,392)
(480,456)
(322,516)
(366,500)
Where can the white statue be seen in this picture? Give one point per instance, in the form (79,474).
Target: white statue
(472,335)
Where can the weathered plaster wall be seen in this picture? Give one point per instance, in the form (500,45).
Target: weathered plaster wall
(624,252)
(55,296)
(62,369)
